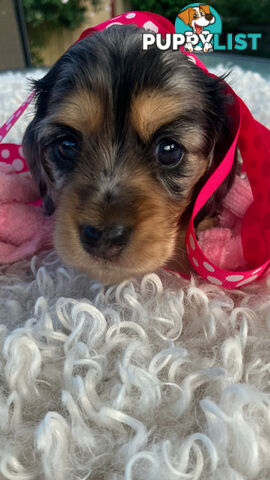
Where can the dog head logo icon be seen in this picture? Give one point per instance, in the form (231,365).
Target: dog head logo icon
(198,22)
(197,17)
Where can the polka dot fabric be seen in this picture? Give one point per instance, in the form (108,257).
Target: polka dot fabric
(253,140)
(12,154)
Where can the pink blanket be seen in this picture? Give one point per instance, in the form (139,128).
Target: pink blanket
(24,230)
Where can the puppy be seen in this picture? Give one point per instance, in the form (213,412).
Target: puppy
(197,18)
(121,143)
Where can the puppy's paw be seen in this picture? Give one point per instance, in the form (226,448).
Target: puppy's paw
(207,47)
(189,47)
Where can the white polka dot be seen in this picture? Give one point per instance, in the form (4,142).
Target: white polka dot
(214,280)
(21,152)
(257,271)
(208,267)
(234,278)
(191,59)
(191,242)
(18,113)
(150,26)
(131,15)
(247,280)
(195,261)
(17,164)
(5,153)
(114,23)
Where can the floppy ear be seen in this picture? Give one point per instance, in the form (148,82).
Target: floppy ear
(205,8)
(221,138)
(37,166)
(185,15)
(34,156)
(214,204)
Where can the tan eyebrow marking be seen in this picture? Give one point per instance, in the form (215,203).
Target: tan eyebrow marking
(150,110)
(81,110)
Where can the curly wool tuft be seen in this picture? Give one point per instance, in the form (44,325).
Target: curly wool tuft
(157,378)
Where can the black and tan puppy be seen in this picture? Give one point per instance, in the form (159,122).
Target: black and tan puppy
(121,143)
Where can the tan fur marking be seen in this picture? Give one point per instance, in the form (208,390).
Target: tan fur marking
(82,111)
(150,110)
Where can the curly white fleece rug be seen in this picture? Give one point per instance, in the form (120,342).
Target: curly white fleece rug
(156,379)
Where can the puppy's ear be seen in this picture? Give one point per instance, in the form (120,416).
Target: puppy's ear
(37,166)
(223,140)
(185,15)
(33,153)
(205,8)
(220,137)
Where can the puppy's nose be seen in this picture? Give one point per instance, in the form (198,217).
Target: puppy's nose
(105,243)
(90,234)
(208,16)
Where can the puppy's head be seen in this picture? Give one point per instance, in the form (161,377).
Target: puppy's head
(121,141)
(197,17)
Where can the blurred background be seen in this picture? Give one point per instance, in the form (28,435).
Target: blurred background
(36,32)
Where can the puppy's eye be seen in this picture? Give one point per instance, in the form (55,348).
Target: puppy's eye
(169,153)
(67,150)
(195,15)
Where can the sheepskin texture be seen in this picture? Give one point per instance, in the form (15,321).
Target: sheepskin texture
(158,378)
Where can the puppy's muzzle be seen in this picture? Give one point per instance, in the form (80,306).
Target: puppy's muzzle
(105,243)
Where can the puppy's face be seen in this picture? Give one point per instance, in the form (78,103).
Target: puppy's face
(120,143)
